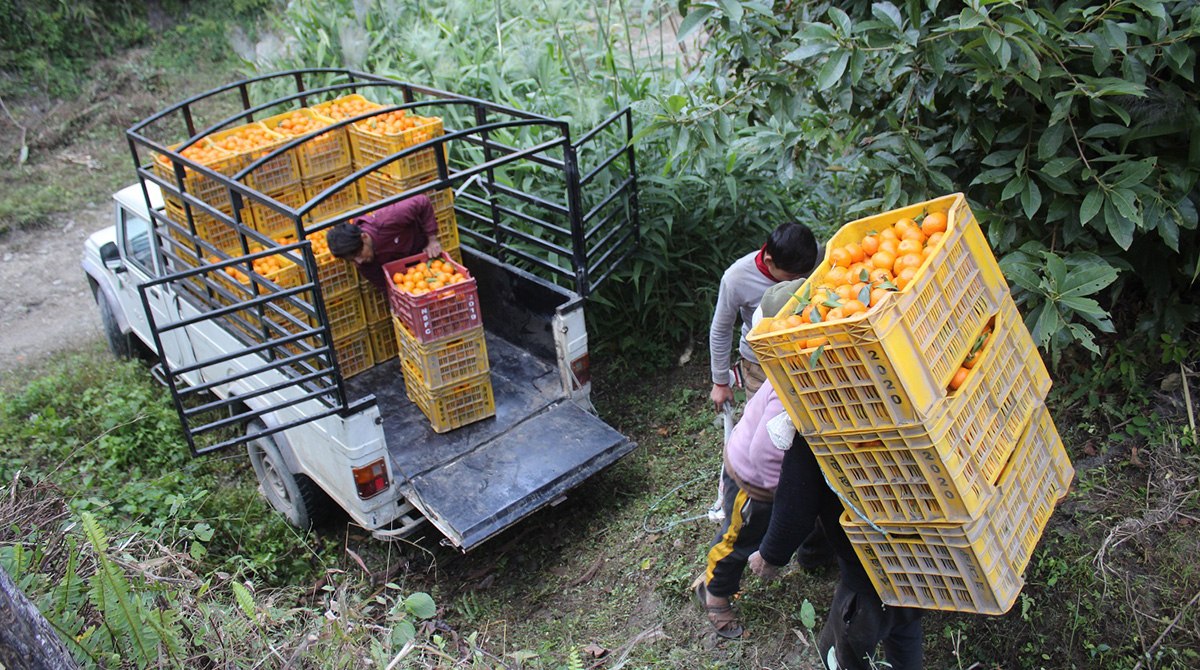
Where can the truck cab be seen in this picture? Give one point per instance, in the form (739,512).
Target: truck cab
(257,363)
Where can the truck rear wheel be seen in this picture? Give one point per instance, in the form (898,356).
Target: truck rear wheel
(296,497)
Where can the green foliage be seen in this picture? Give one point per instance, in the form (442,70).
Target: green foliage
(1073,126)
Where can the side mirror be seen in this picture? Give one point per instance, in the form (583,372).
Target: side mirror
(111,257)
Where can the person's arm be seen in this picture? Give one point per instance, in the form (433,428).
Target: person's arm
(720,344)
(427,222)
(797,505)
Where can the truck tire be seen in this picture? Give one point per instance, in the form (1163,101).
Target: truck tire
(119,343)
(296,497)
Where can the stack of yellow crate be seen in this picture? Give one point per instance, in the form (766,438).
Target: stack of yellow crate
(947,489)
(343,308)
(442,349)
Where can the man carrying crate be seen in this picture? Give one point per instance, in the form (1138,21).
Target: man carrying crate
(791,252)
(389,233)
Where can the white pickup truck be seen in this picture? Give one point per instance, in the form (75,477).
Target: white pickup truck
(257,365)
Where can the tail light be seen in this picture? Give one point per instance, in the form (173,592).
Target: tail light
(582,371)
(371,480)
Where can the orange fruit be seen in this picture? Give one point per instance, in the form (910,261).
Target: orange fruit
(913,234)
(814,342)
(959,377)
(878,294)
(794,321)
(934,239)
(845,291)
(840,257)
(972,359)
(853,307)
(889,234)
(890,246)
(835,314)
(926,253)
(934,222)
(880,275)
(858,289)
(905,277)
(856,271)
(856,252)
(903,225)
(837,276)
(905,262)
(909,247)
(883,260)
(870,245)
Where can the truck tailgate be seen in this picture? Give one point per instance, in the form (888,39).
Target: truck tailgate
(518,472)
(477,480)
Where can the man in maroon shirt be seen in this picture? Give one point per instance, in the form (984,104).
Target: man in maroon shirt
(387,234)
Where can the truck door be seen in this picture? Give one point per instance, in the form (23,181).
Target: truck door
(256,344)
(139,265)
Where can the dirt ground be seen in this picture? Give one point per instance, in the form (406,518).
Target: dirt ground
(46,305)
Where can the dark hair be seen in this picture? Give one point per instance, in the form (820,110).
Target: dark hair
(793,248)
(345,240)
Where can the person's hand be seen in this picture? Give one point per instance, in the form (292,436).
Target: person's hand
(762,568)
(721,395)
(434,248)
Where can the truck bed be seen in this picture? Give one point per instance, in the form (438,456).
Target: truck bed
(475,481)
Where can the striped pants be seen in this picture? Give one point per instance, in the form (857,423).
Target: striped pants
(741,532)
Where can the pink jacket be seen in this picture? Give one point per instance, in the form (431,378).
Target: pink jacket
(751,455)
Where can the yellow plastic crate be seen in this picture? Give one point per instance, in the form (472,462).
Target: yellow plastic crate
(383,341)
(274,224)
(447,228)
(335,275)
(354,353)
(368,147)
(944,469)
(453,406)
(455,253)
(344,314)
(374,302)
(375,186)
(328,110)
(340,201)
(976,566)
(273,176)
(890,365)
(202,187)
(446,361)
(218,232)
(319,155)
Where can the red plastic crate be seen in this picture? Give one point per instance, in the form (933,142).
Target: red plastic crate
(976,566)
(446,361)
(453,406)
(439,313)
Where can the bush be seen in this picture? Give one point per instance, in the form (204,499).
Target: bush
(1072,128)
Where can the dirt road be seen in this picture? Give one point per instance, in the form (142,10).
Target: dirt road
(46,305)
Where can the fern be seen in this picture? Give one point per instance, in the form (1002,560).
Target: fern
(574,662)
(244,599)
(129,622)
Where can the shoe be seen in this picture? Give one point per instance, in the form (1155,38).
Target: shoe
(720,617)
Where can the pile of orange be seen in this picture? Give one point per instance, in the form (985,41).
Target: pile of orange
(973,356)
(265,266)
(319,243)
(204,152)
(425,277)
(247,138)
(345,109)
(299,124)
(392,123)
(863,273)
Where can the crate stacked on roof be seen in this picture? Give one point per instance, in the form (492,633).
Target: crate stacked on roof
(435,309)
(921,393)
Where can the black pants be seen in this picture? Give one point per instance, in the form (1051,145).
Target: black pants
(740,534)
(858,622)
